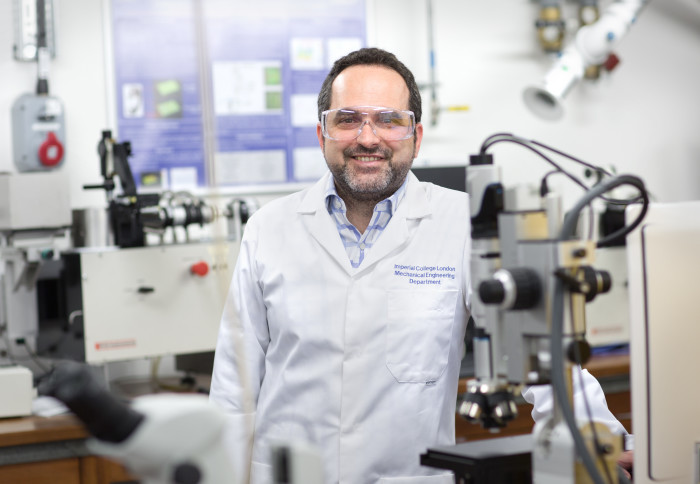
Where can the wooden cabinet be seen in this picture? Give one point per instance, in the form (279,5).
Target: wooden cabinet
(38,450)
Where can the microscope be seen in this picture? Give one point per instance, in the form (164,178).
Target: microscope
(532,275)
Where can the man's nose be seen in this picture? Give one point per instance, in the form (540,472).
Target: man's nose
(367,136)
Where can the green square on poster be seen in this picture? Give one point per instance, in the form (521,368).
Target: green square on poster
(273,76)
(166,88)
(273,100)
(169,109)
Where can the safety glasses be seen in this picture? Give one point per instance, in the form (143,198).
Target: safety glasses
(345,124)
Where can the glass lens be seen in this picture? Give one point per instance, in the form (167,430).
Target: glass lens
(347,123)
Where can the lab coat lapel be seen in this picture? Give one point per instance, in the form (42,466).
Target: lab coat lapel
(320,224)
(398,232)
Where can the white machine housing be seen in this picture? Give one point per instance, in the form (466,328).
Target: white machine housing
(17,391)
(147,301)
(663,261)
(34,201)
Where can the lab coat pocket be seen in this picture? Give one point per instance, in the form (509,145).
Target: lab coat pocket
(419,333)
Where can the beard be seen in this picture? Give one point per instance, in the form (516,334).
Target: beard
(365,185)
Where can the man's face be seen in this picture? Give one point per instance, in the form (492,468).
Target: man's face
(369,168)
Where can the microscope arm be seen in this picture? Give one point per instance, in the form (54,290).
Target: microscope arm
(163,438)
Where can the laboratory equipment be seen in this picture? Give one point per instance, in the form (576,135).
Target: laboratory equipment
(663,262)
(132,215)
(163,438)
(134,300)
(533,276)
(17,391)
(110,304)
(35,218)
(95,288)
(607,318)
(168,438)
(34,202)
(592,46)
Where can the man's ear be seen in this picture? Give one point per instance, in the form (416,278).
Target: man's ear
(419,137)
(319,134)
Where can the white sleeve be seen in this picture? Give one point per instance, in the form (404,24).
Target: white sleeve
(587,390)
(239,361)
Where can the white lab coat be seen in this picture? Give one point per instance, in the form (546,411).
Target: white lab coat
(363,363)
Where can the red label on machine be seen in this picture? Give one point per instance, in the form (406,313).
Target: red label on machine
(115,344)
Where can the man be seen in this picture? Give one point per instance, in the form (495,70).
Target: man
(353,294)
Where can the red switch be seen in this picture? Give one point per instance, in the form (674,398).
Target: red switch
(51,150)
(200,268)
(611,62)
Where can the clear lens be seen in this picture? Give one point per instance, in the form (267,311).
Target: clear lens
(347,123)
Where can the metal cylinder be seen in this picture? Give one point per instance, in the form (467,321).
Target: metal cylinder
(91,228)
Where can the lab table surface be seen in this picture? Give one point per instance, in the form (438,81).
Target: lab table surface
(43,450)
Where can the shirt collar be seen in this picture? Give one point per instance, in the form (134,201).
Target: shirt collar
(333,200)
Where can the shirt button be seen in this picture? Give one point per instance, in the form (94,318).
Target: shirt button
(362,246)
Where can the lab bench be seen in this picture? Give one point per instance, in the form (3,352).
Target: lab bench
(52,450)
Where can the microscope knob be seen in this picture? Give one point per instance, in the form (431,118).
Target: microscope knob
(528,288)
(187,473)
(517,288)
(598,282)
(492,292)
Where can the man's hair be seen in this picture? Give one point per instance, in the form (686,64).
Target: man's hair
(370,56)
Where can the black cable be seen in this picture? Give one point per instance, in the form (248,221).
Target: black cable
(485,144)
(491,140)
(600,169)
(523,142)
(571,219)
(571,157)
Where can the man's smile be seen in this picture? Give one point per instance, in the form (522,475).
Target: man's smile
(365,158)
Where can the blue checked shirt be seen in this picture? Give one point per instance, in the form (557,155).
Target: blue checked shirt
(357,244)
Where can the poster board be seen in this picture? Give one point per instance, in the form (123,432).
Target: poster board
(223,92)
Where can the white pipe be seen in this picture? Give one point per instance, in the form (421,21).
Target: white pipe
(592,46)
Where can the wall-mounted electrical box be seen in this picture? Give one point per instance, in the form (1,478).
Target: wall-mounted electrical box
(38,132)
(26,30)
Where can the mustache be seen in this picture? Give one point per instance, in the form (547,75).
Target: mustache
(362,151)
